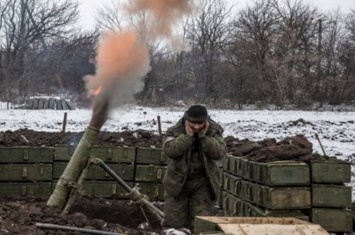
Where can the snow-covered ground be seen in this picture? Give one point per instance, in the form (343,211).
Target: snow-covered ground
(335,129)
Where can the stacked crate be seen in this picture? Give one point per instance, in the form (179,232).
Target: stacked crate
(26,171)
(277,189)
(331,199)
(150,169)
(97,181)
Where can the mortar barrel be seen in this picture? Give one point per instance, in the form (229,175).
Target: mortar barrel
(73,170)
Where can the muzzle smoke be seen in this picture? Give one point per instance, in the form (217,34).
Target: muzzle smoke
(123,56)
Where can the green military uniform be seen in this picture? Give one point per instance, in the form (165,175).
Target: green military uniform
(191,180)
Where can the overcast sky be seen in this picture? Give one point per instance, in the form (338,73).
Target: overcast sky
(88,7)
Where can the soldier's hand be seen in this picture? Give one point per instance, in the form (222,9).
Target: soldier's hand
(188,129)
(203,132)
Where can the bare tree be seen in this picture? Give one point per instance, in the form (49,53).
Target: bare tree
(207,34)
(27,27)
(107,18)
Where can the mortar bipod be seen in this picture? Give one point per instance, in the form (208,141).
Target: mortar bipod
(133,193)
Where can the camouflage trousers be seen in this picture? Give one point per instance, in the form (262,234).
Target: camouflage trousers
(195,199)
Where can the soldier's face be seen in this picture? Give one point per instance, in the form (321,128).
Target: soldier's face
(197,127)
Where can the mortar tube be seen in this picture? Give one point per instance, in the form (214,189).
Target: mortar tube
(74,169)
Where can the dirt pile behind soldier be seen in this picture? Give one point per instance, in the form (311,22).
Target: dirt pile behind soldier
(26,137)
(291,148)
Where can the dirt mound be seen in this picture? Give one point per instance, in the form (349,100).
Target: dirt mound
(19,216)
(26,137)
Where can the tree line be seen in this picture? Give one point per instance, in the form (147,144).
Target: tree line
(271,52)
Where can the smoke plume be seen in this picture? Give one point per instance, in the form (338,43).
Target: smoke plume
(123,56)
(166,13)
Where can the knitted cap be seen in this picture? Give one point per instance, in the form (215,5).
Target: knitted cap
(197,114)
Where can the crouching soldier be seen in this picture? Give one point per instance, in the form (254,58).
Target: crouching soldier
(193,145)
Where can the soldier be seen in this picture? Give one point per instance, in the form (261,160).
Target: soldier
(193,145)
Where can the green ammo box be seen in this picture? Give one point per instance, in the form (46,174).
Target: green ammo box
(105,189)
(243,166)
(63,152)
(151,156)
(280,197)
(231,164)
(107,154)
(280,173)
(333,220)
(26,155)
(332,171)
(230,183)
(150,173)
(154,191)
(124,171)
(26,172)
(26,189)
(324,195)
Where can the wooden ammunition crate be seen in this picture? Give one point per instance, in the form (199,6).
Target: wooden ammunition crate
(149,173)
(26,155)
(124,171)
(281,173)
(231,183)
(232,205)
(154,191)
(107,154)
(324,195)
(105,189)
(280,197)
(26,172)
(26,189)
(151,156)
(333,220)
(255,211)
(254,225)
(231,164)
(332,171)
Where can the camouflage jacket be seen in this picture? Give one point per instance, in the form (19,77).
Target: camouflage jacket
(178,147)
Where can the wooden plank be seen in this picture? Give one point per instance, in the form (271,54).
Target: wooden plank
(266,229)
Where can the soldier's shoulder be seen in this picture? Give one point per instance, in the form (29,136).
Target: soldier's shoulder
(215,126)
(176,129)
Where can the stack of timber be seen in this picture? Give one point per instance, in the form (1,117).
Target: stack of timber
(48,103)
(255,225)
(26,171)
(151,165)
(331,199)
(97,181)
(313,191)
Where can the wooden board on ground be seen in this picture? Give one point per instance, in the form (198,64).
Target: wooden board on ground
(256,225)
